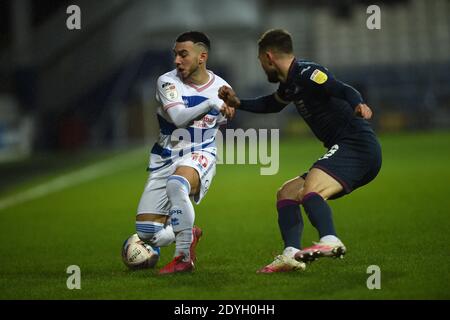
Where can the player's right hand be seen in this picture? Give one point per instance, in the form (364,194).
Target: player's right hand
(229,97)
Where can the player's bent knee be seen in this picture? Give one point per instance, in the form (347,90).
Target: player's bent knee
(177,184)
(289,191)
(192,177)
(285,194)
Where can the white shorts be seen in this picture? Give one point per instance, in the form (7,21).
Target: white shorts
(154,198)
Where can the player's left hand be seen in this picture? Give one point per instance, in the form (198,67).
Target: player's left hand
(228,112)
(362,110)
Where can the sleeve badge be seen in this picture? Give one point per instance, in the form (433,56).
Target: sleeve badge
(170,90)
(318,76)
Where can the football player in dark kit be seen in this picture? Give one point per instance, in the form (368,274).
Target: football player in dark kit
(337,114)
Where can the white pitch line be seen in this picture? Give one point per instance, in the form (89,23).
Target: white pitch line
(71,179)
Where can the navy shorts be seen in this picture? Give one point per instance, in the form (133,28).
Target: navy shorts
(353,161)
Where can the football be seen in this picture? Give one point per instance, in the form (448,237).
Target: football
(138,255)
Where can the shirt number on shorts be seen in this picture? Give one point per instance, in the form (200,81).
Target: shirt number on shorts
(330,152)
(201,159)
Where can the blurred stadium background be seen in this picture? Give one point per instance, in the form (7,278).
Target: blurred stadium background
(70,99)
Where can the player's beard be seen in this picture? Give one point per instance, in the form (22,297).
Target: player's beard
(192,71)
(272,76)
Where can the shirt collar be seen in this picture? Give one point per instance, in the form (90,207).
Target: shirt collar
(293,68)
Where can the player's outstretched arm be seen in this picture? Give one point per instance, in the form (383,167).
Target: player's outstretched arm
(266,104)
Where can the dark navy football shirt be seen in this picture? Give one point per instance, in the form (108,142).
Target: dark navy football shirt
(325,103)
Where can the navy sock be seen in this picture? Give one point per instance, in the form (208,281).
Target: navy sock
(319,213)
(290,222)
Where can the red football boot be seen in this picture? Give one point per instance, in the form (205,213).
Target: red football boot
(196,235)
(177,265)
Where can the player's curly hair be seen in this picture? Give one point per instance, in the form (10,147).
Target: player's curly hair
(196,37)
(278,40)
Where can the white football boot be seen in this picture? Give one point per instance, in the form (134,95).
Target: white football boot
(284,263)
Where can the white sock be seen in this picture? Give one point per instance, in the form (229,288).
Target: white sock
(164,237)
(183,240)
(330,238)
(182,214)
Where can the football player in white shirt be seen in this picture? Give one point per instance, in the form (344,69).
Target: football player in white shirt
(183,160)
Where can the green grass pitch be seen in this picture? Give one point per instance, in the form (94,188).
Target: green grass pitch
(399,222)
